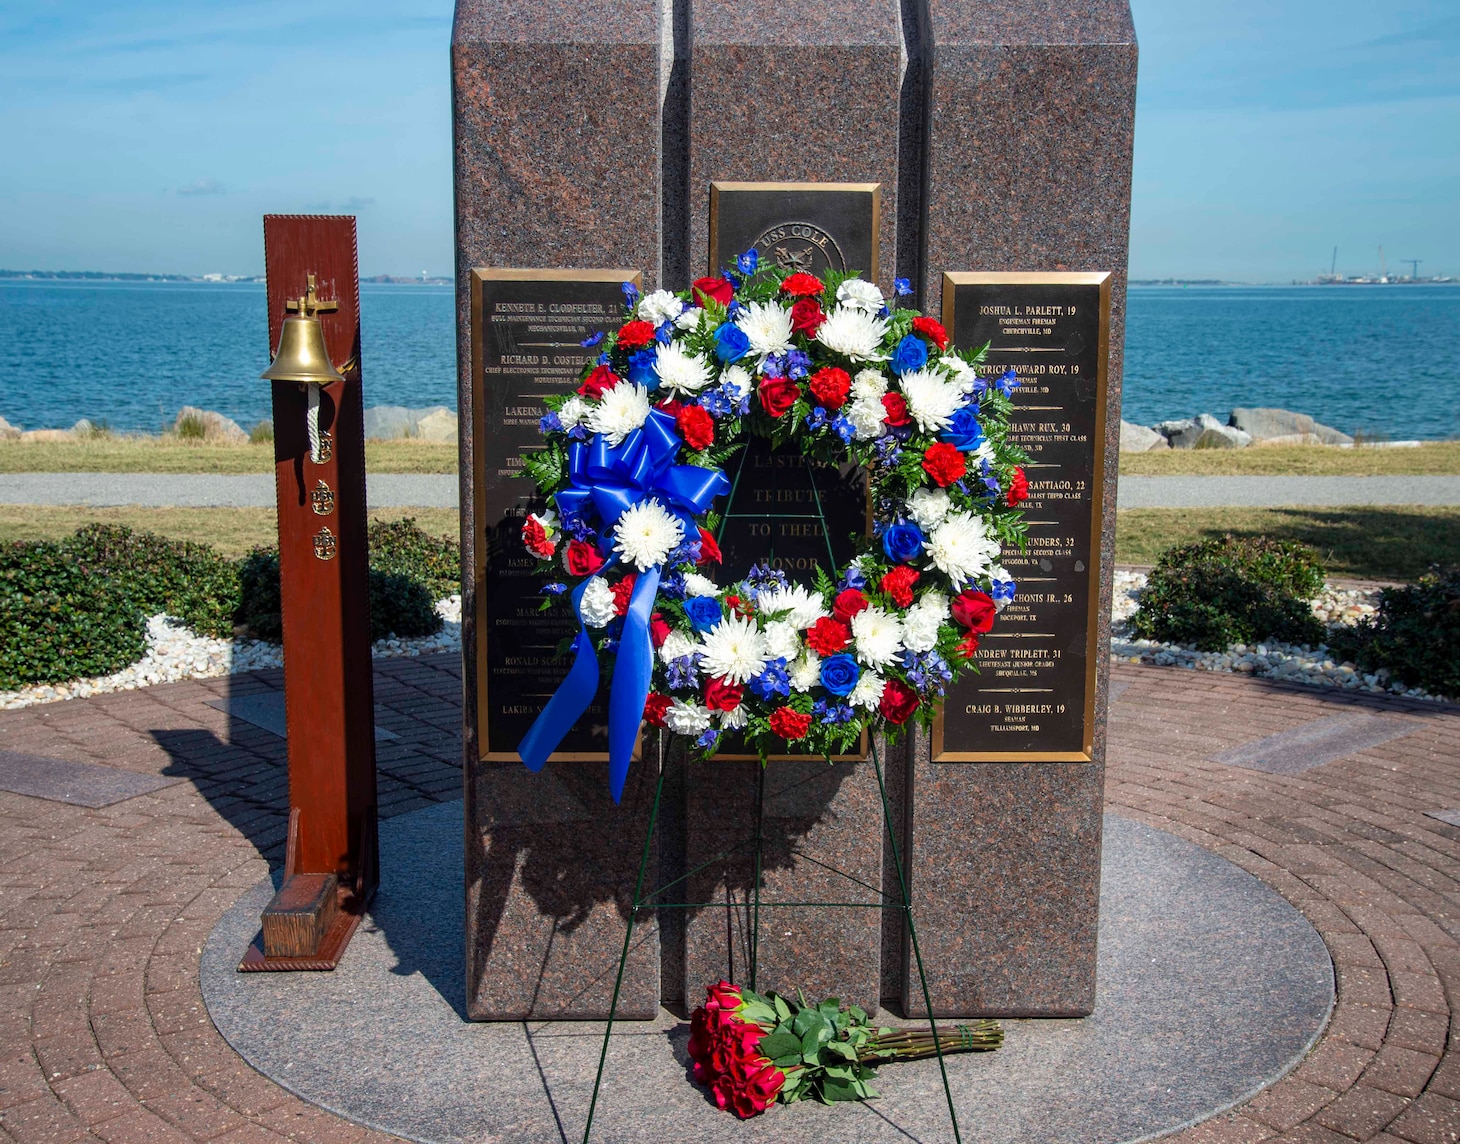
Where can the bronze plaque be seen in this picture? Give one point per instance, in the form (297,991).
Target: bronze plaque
(1034,697)
(813,227)
(527,327)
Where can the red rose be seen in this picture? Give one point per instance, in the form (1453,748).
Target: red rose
(899,584)
(709,550)
(722,695)
(933,330)
(944,463)
(807,316)
(634,335)
(671,406)
(802,286)
(1018,488)
(658,630)
(778,394)
(974,610)
(762,1088)
(827,636)
(654,708)
(723,995)
(536,539)
(830,386)
(899,701)
(581,558)
(896,406)
(722,290)
(847,604)
(598,382)
(968,646)
(695,426)
(623,591)
(789,724)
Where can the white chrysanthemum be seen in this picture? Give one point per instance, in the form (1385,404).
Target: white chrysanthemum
(806,672)
(868,691)
(782,640)
(689,319)
(931,399)
(734,720)
(767,326)
(804,605)
(937,603)
(920,628)
(984,452)
(860,295)
(697,585)
(573,411)
(660,307)
(854,333)
(733,649)
(622,409)
(869,383)
(961,548)
(866,415)
(679,370)
(878,637)
(929,507)
(677,645)
(739,377)
(597,607)
(646,534)
(960,371)
(687,718)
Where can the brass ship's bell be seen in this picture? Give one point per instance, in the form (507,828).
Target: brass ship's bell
(302,354)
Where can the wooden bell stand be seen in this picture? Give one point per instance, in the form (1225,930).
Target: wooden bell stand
(331,866)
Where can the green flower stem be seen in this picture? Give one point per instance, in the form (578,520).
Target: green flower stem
(911,1044)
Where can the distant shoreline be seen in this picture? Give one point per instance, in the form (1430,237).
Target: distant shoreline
(125,276)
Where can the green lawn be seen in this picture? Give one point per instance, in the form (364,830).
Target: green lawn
(174,455)
(1437,458)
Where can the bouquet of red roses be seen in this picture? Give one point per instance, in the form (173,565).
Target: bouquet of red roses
(752,1050)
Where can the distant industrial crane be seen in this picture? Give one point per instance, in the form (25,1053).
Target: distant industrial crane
(1414,267)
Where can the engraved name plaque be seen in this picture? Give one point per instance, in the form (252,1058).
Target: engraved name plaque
(527,326)
(1034,697)
(813,227)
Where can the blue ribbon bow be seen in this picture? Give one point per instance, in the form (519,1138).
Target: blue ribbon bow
(610,481)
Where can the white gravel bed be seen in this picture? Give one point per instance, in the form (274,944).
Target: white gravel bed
(174,652)
(1290,663)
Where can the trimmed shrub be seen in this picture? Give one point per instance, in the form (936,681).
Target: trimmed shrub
(1416,634)
(1232,590)
(399,605)
(401,547)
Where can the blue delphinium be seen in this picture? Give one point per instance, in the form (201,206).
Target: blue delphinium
(908,355)
(828,712)
(763,576)
(708,739)
(853,577)
(926,670)
(602,359)
(1002,590)
(798,364)
(816,418)
(683,672)
(631,295)
(1008,381)
(774,365)
(725,400)
(748,262)
(591,340)
(554,589)
(549,423)
(844,428)
(664,334)
(773,681)
(888,449)
(901,286)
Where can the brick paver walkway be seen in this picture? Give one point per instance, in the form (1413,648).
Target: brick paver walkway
(103,913)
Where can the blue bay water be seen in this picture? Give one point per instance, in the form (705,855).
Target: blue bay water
(1384,360)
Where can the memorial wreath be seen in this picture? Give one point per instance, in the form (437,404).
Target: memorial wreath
(631,469)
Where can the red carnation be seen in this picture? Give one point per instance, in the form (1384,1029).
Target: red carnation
(722,290)
(790,724)
(654,708)
(827,636)
(899,701)
(659,630)
(899,584)
(968,646)
(670,405)
(847,604)
(695,426)
(599,382)
(944,463)
(634,335)
(536,538)
(802,285)
(623,591)
(709,549)
(933,330)
(896,406)
(741,607)
(974,610)
(778,394)
(581,558)
(1018,488)
(830,386)
(722,695)
(807,316)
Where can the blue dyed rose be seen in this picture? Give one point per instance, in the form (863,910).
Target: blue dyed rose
(902,542)
(642,370)
(731,344)
(909,355)
(703,612)
(839,674)
(964,432)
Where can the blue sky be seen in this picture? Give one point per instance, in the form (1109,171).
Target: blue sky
(152,135)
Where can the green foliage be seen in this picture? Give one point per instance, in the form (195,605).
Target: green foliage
(190,427)
(262,433)
(400,605)
(1232,590)
(401,547)
(819,1047)
(1416,634)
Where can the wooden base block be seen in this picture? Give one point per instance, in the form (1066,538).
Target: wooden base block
(301,913)
(331,947)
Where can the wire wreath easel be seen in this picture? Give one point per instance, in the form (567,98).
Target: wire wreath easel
(643,901)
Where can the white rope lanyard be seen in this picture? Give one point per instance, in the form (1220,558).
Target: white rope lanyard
(313,422)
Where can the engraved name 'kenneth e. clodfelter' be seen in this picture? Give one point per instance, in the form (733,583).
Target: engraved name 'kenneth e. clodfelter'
(1034,696)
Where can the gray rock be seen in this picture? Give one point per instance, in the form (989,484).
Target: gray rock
(8,432)
(1180,434)
(216,427)
(1233,438)
(391,422)
(1264,424)
(438,425)
(83,428)
(1139,439)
